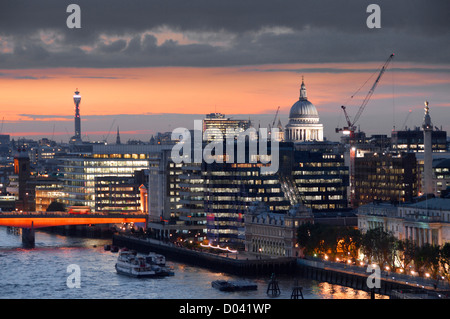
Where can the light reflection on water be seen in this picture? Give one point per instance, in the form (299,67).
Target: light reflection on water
(41,273)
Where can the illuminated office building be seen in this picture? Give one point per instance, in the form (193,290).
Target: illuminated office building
(224,191)
(229,189)
(81,170)
(117,194)
(385,177)
(441,175)
(19,181)
(321,179)
(413,141)
(175,210)
(46,193)
(216,124)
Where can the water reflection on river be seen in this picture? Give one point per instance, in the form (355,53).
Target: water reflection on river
(42,273)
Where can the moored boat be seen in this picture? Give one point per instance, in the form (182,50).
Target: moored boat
(114,249)
(159,263)
(129,263)
(224,285)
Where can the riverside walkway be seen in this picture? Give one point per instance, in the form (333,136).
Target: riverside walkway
(387,277)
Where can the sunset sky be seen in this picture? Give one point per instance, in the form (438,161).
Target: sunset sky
(152,66)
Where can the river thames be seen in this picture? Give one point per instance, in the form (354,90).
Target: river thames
(42,273)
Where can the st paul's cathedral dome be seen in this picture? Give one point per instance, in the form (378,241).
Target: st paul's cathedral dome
(303,120)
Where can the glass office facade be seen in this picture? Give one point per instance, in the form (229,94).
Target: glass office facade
(80,173)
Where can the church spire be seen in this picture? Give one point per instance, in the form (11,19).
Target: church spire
(118,137)
(303,90)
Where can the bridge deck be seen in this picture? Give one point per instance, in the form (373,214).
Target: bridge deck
(38,220)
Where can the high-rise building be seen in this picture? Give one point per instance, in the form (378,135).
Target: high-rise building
(172,213)
(46,193)
(229,189)
(18,182)
(412,141)
(321,179)
(385,177)
(222,192)
(77,137)
(4,144)
(441,172)
(81,170)
(216,125)
(117,194)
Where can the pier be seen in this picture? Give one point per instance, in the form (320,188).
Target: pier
(353,277)
(243,266)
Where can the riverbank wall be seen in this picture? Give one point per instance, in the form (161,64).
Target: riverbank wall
(317,271)
(311,269)
(241,266)
(390,284)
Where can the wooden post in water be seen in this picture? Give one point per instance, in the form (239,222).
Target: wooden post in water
(297,291)
(273,290)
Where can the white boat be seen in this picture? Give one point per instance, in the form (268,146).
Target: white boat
(128,263)
(131,264)
(155,259)
(159,264)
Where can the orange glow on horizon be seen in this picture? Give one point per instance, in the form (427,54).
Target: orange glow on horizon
(45,95)
(255,89)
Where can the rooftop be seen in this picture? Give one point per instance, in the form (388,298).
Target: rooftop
(433,203)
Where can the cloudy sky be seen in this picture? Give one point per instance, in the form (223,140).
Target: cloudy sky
(154,65)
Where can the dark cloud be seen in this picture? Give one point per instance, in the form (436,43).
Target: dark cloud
(117,33)
(347,70)
(22,77)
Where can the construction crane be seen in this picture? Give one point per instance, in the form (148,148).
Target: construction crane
(350,129)
(351,124)
(109,132)
(275,118)
(403,127)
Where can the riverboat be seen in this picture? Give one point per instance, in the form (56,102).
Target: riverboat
(130,264)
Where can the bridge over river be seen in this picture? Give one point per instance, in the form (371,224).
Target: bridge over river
(29,221)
